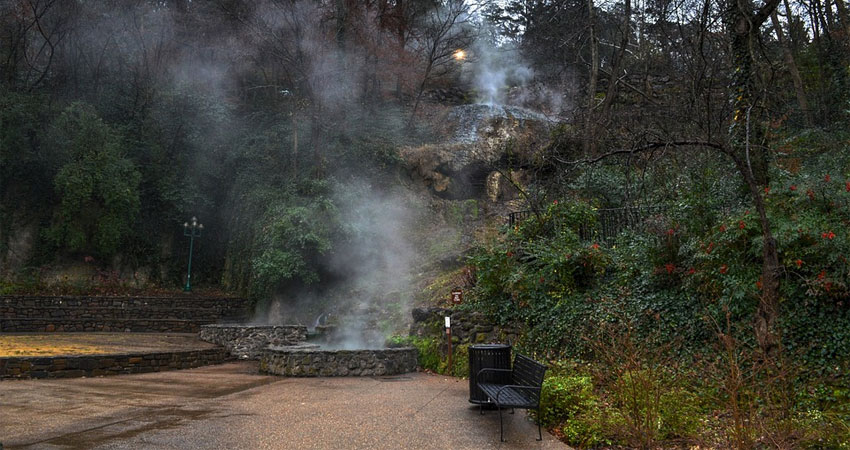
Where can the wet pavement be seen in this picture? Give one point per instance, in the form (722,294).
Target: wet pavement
(231,406)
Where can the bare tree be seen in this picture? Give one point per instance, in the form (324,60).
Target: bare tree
(618,61)
(593,77)
(791,67)
(441,35)
(33,29)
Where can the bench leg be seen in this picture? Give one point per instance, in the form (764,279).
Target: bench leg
(501,427)
(481,408)
(539,433)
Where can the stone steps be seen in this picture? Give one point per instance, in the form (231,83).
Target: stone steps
(84,301)
(138,314)
(100,365)
(77,312)
(41,324)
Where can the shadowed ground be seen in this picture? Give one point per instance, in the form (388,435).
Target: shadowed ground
(231,406)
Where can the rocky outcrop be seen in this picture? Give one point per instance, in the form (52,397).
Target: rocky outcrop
(484,142)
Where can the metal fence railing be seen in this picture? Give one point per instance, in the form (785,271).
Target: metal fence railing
(609,221)
(516,217)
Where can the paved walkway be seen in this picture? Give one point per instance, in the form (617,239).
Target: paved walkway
(230,406)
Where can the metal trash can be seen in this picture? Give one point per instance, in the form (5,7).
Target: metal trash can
(486,356)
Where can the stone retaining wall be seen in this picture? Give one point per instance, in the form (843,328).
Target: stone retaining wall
(98,365)
(248,341)
(468,327)
(299,362)
(138,314)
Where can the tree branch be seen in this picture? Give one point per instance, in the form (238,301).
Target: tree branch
(651,146)
(764,12)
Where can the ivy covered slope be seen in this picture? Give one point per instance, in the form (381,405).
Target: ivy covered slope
(657,323)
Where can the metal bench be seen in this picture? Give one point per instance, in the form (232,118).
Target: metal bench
(521,390)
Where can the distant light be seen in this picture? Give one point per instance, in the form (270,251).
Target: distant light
(459,55)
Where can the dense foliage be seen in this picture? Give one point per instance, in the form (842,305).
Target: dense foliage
(681,287)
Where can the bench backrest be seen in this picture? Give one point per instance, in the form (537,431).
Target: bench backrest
(527,372)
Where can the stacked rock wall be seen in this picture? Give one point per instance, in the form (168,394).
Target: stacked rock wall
(99,365)
(311,362)
(467,327)
(248,341)
(20,313)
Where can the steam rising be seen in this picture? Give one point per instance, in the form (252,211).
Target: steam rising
(500,77)
(496,70)
(192,71)
(371,270)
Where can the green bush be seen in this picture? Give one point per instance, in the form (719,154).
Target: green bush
(431,357)
(680,414)
(588,429)
(564,398)
(569,404)
(460,361)
(824,417)
(429,352)
(539,270)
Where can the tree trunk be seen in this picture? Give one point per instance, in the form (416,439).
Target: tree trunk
(619,58)
(766,332)
(400,31)
(294,146)
(419,93)
(589,137)
(751,157)
(316,142)
(791,65)
(830,17)
(843,17)
(341,16)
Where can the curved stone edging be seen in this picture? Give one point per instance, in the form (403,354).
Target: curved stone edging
(301,362)
(248,341)
(22,367)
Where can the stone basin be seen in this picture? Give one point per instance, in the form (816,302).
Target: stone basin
(248,341)
(314,361)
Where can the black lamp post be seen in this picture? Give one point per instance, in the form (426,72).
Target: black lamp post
(192,230)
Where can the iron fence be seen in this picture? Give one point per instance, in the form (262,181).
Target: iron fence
(609,221)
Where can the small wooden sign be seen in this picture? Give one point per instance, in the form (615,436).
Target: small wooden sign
(457,296)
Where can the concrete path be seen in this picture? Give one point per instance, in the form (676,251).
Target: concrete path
(230,406)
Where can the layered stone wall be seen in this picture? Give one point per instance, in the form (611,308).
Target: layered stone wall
(248,341)
(315,362)
(98,365)
(468,327)
(137,314)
